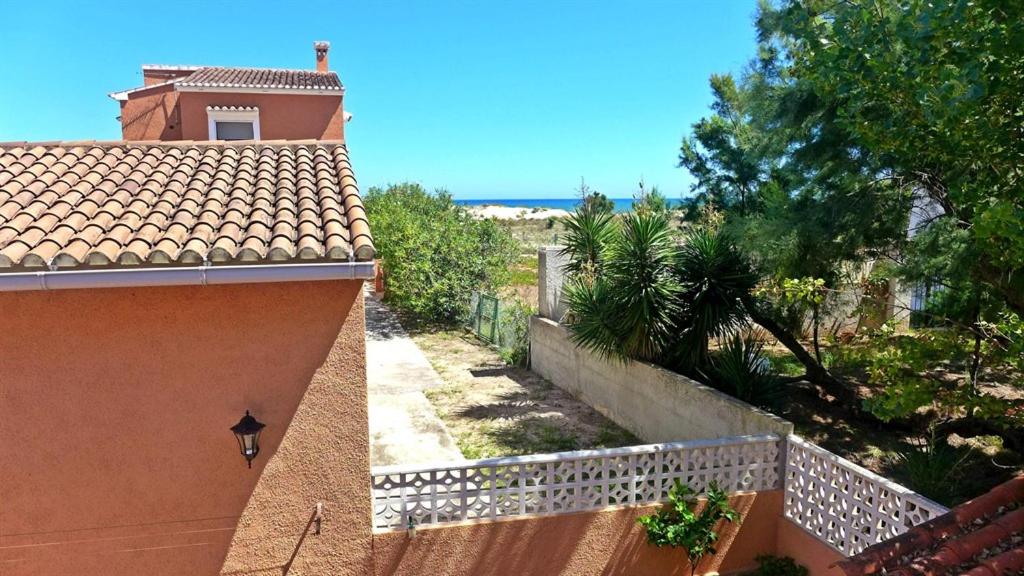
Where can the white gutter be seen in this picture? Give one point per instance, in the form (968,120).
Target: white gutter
(205,275)
(123,94)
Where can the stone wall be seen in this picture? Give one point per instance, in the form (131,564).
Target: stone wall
(655,404)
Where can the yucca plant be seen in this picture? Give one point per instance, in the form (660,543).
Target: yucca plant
(629,309)
(588,232)
(715,278)
(931,466)
(741,369)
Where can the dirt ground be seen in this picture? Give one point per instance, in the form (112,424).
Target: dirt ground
(497,410)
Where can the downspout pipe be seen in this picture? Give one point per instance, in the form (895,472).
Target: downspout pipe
(205,275)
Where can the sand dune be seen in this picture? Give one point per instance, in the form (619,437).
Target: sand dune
(516,212)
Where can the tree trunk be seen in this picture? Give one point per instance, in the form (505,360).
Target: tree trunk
(976,353)
(816,373)
(814,337)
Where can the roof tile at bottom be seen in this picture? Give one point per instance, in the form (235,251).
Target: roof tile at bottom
(982,537)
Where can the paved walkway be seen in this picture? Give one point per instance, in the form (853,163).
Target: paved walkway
(404,428)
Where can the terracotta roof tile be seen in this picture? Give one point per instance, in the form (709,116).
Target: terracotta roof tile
(270,78)
(982,537)
(221,78)
(79,205)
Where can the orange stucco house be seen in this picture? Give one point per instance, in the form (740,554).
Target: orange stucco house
(218,103)
(151,294)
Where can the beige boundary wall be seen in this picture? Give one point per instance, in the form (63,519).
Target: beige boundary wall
(655,404)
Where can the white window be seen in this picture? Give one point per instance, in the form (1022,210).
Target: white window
(230,123)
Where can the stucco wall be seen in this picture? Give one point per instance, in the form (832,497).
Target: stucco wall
(114,413)
(608,542)
(655,404)
(151,115)
(165,114)
(808,551)
(282,116)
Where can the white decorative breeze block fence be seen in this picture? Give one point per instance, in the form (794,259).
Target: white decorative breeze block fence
(569,481)
(844,505)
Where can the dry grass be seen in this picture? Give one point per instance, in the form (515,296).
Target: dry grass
(497,410)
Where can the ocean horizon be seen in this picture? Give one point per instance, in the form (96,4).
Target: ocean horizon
(567,204)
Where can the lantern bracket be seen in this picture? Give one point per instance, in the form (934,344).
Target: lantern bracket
(318,516)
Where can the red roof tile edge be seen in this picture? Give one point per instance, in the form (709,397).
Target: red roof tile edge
(956,547)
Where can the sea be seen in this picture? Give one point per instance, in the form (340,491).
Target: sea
(567,204)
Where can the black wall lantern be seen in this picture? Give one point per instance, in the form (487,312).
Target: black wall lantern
(248,433)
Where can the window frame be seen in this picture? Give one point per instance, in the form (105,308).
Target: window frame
(214,115)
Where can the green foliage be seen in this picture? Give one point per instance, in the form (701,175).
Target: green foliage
(434,253)
(769,565)
(807,292)
(741,369)
(784,363)
(727,152)
(851,114)
(684,524)
(514,340)
(650,201)
(653,298)
(932,468)
(716,278)
(930,92)
(594,201)
(524,272)
(901,365)
(587,235)
(628,308)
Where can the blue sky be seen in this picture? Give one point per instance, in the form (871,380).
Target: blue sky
(486,99)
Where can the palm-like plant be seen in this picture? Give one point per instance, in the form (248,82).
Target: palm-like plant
(629,309)
(633,292)
(644,285)
(588,232)
(741,369)
(715,279)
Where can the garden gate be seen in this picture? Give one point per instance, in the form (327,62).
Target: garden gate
(485,317)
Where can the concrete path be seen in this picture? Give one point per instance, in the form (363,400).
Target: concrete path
(404,427)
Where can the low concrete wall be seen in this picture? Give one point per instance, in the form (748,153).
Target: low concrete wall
(607,542)
(655,404)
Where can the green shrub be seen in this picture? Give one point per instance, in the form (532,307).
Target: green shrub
(650,200)
(775,566)
(596,202)
(434,253)
(679,524)
(514,344)
(932,467)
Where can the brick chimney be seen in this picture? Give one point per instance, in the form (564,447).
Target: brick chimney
(321,48)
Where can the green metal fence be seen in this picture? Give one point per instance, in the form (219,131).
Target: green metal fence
(485,317)
(504,325)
